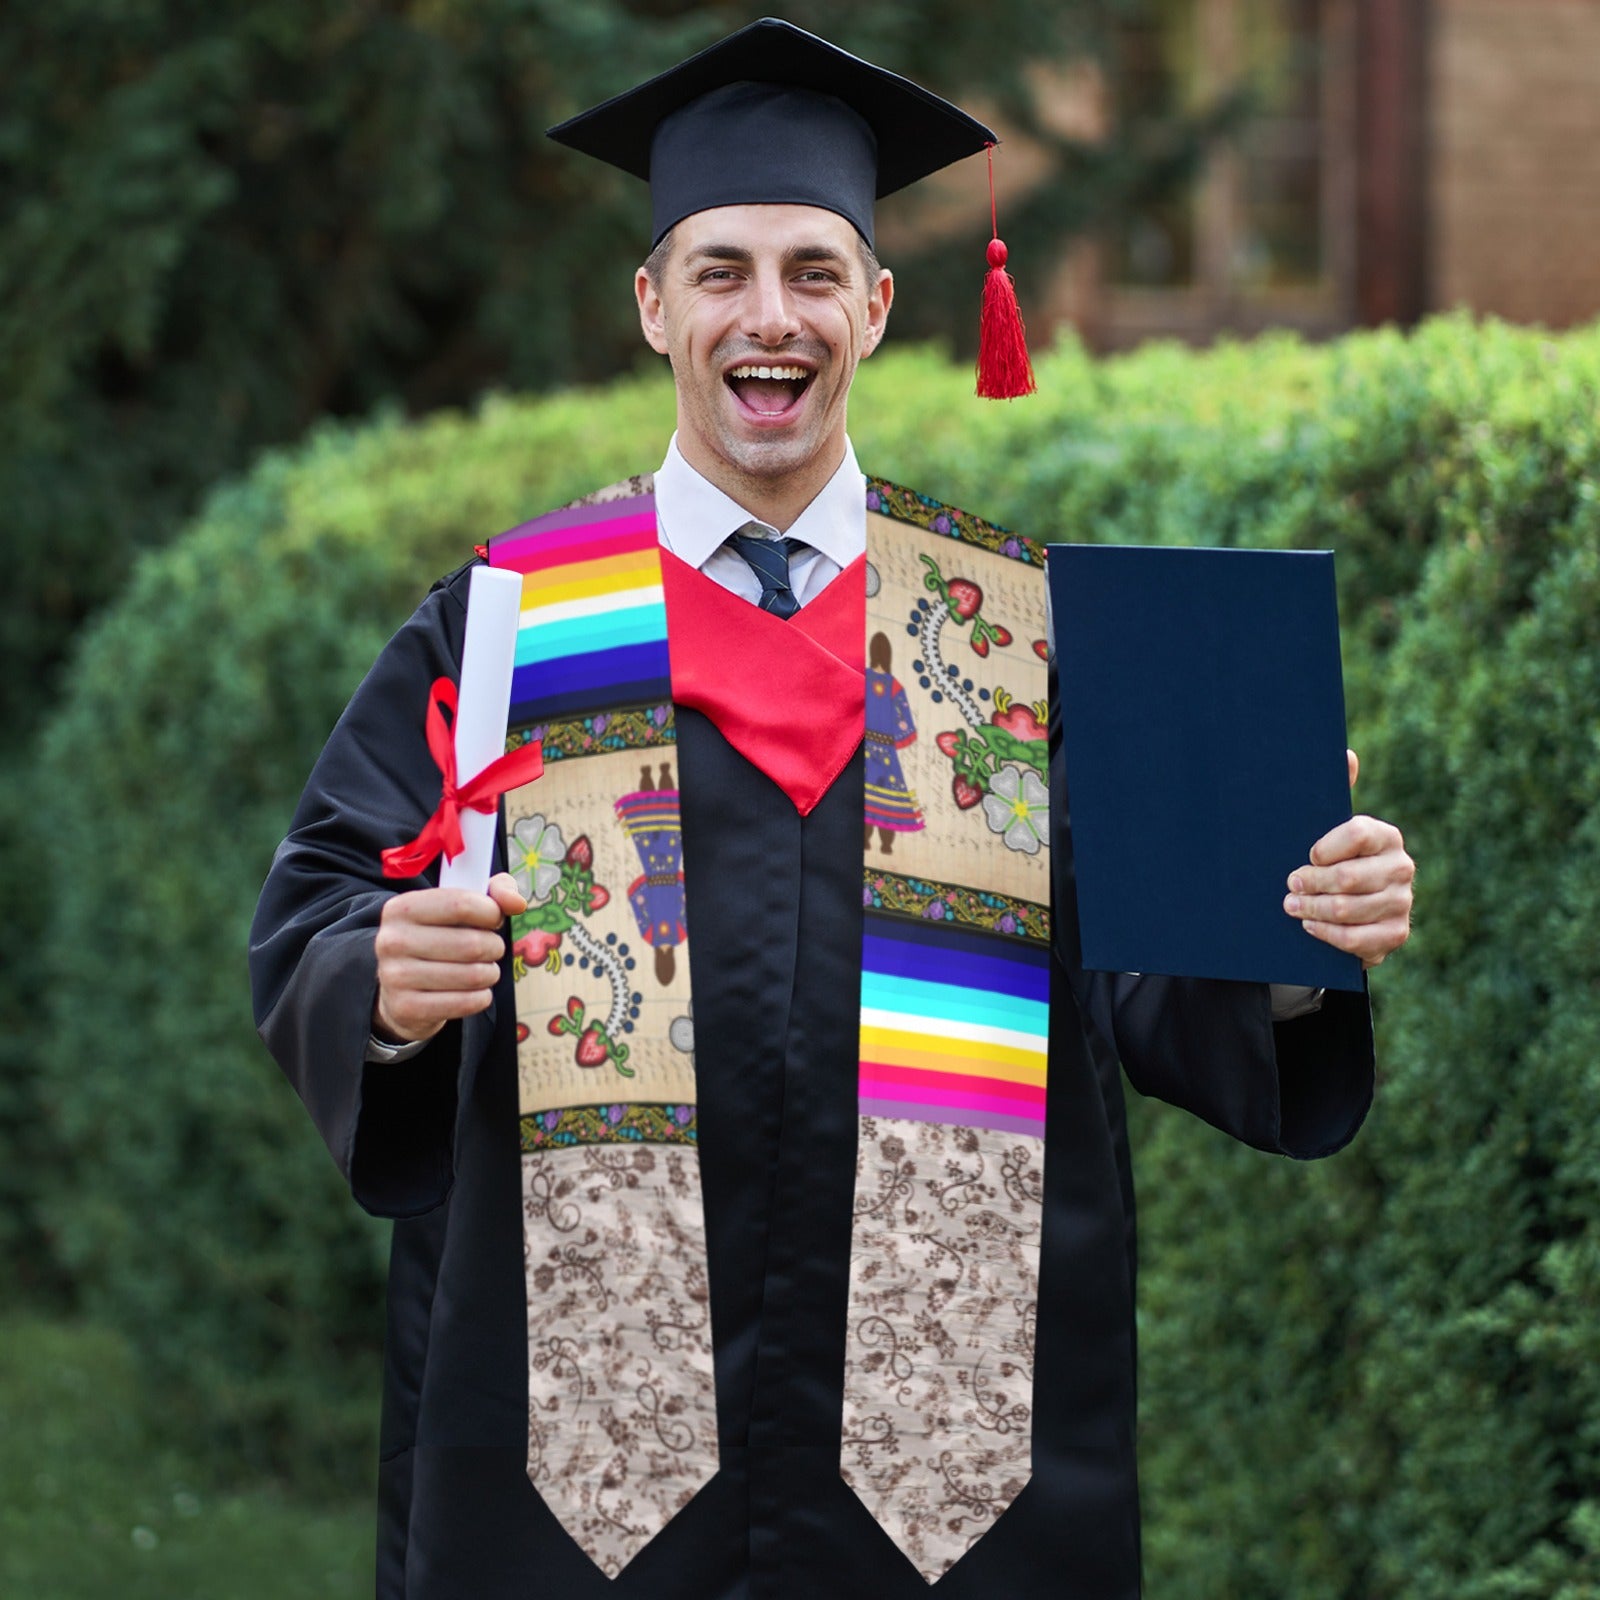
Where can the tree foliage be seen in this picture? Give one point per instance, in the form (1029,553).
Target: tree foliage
(218,224)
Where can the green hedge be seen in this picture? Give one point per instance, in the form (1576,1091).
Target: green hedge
(1374,1377)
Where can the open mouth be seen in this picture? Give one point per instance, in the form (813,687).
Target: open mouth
(769,391)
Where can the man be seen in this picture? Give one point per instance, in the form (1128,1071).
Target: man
(557,1433)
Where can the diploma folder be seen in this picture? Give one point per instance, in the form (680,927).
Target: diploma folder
(1202,716)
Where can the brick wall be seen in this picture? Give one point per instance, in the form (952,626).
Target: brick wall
(1514,162)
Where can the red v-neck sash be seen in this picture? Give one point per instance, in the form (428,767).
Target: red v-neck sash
(787,695)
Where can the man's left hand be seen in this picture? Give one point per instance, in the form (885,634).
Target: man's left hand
(1355,893)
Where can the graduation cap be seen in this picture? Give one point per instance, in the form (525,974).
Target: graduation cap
(773,115)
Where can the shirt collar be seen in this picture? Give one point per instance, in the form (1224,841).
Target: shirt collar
(695,517)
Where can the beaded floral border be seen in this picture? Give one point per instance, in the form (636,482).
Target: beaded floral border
(610,1124)
(952,905)
(641,728)
(906,505)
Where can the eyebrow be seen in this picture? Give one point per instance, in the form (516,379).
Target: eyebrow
(795,255)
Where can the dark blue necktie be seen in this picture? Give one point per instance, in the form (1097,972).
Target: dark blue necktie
(769,560)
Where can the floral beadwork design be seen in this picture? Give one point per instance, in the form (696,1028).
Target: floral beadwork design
(906,505)
(1016,807)
(1002,737)
(610,1124)
(641,728)
(596,1046)
(537,852)
(955,904)
(559,905)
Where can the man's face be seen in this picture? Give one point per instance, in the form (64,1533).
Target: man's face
(780,290)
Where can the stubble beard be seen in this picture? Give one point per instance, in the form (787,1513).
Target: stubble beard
(767,459)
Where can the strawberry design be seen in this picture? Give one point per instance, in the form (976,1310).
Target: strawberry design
(962,604)
(598,897)
(1041,648)
(581,852)
(568,1021)
(1020,721)
(999,735)
(965,598)
(534,947)
(595,1047)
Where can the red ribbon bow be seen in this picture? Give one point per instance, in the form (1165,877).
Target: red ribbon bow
(442,832)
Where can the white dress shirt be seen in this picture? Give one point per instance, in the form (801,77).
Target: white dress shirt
(694,518)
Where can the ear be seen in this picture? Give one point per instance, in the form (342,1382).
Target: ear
(652,315)
(879,300)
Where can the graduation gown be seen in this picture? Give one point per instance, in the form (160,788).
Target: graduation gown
(774,918)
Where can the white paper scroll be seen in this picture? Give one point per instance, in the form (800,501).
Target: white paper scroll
(494,606)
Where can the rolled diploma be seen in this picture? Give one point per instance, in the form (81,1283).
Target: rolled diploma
(494,607)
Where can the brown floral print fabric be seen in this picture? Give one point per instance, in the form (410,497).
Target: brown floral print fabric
(944,1288)
(622,1421)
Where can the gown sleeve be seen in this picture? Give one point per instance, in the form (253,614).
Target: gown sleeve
(313,965)
(1299,1088)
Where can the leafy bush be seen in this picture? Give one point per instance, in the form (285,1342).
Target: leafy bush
(96,1500)
(1376,1378)
(1370,1378)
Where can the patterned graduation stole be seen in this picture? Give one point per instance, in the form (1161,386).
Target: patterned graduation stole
(955,973)
(937,1432)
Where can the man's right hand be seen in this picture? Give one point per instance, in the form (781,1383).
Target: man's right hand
(439,952)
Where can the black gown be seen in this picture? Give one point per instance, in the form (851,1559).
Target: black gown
(433,1143)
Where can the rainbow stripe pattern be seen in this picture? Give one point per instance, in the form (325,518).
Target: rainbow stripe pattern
(954,1027)
(593,634)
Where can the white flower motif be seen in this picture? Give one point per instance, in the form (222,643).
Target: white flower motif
(680,1031)
(537,851)
(1016,806)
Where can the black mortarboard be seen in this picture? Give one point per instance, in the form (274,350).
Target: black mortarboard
(774,115)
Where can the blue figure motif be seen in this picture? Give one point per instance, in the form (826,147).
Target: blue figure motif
(650,818)
(891,806)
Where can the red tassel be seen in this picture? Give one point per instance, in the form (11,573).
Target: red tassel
(1004,370)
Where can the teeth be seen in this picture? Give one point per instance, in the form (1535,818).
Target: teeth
(797,374)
